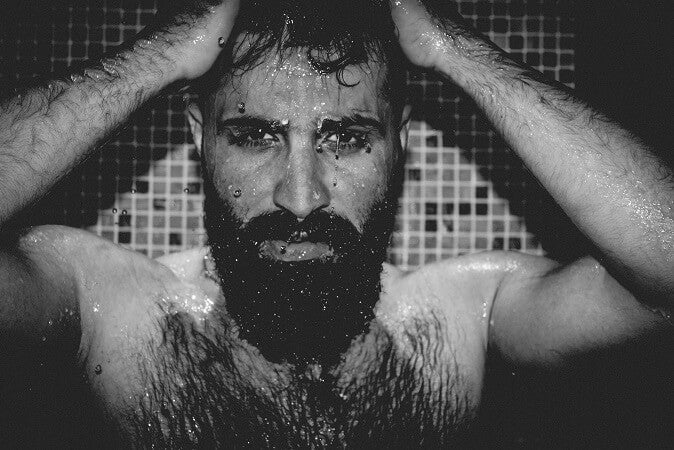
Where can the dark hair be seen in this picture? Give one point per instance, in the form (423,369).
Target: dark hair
(335,34)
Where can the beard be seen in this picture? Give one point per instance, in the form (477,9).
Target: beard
(299,312)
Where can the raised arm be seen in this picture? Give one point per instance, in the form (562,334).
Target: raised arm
(612,186)
(47,130)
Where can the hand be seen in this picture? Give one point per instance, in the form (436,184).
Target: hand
(425,35)
(190,33)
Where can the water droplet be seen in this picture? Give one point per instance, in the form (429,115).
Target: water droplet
(98,369)
(283,249)
(124,213)
(114,210)
(133,191)
(237,193)
(44,338)
(186,190)
(222,41)
(242,107)
(319,148)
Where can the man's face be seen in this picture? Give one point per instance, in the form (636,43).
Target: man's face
(299,204)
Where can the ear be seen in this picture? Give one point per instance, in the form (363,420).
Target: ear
(405,126)
(195,118)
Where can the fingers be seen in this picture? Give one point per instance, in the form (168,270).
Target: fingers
(196,31)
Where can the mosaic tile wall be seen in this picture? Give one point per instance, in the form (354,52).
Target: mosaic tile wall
(464,190)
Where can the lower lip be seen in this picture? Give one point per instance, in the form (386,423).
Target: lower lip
(301,251)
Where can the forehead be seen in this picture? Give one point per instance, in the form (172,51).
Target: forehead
(289,87)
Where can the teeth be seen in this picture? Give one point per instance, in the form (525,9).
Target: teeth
(298,236)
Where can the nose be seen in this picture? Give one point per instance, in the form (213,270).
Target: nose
(302,188)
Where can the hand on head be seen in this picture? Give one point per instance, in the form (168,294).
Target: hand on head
(423,29)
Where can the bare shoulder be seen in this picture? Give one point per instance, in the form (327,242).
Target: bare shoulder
(466,282)
(457,296)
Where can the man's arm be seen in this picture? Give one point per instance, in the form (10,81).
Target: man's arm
(47,130)
(612,187)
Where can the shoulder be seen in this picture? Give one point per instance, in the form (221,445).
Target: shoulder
(455,296)
(468,277)
(461,290)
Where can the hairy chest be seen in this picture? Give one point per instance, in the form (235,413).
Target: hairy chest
(195,387)
(415,379)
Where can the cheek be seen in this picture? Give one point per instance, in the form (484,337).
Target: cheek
(364,186)
(244,182)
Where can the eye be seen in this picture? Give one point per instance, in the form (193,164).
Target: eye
(349,142)
(251,138)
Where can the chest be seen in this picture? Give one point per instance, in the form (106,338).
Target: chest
(414,379)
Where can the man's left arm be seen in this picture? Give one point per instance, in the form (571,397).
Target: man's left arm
(611,185)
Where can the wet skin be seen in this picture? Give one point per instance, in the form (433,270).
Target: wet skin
(124,298)
(285,137)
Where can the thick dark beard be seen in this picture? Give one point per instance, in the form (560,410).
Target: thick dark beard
(299,312)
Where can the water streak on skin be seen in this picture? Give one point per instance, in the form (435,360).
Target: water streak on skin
(656,218)
(192,301)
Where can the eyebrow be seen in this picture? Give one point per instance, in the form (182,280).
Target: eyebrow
(352,120)
(248,121)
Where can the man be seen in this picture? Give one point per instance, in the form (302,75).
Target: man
(290,330)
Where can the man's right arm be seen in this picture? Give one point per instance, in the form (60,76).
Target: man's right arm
(47,130)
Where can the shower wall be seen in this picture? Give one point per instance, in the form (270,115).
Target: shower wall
(464,190)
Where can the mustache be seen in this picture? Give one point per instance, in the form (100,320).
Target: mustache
(319,226)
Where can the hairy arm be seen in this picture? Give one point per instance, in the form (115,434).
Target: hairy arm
(47,130)
(611,185)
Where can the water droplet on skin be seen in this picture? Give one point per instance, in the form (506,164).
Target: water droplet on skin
(241,107)
(98,369)
(222,41)
(114,210)
(237,193)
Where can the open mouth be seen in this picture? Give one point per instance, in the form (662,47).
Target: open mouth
(295,250)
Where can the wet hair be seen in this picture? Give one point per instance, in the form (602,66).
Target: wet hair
(334,35)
